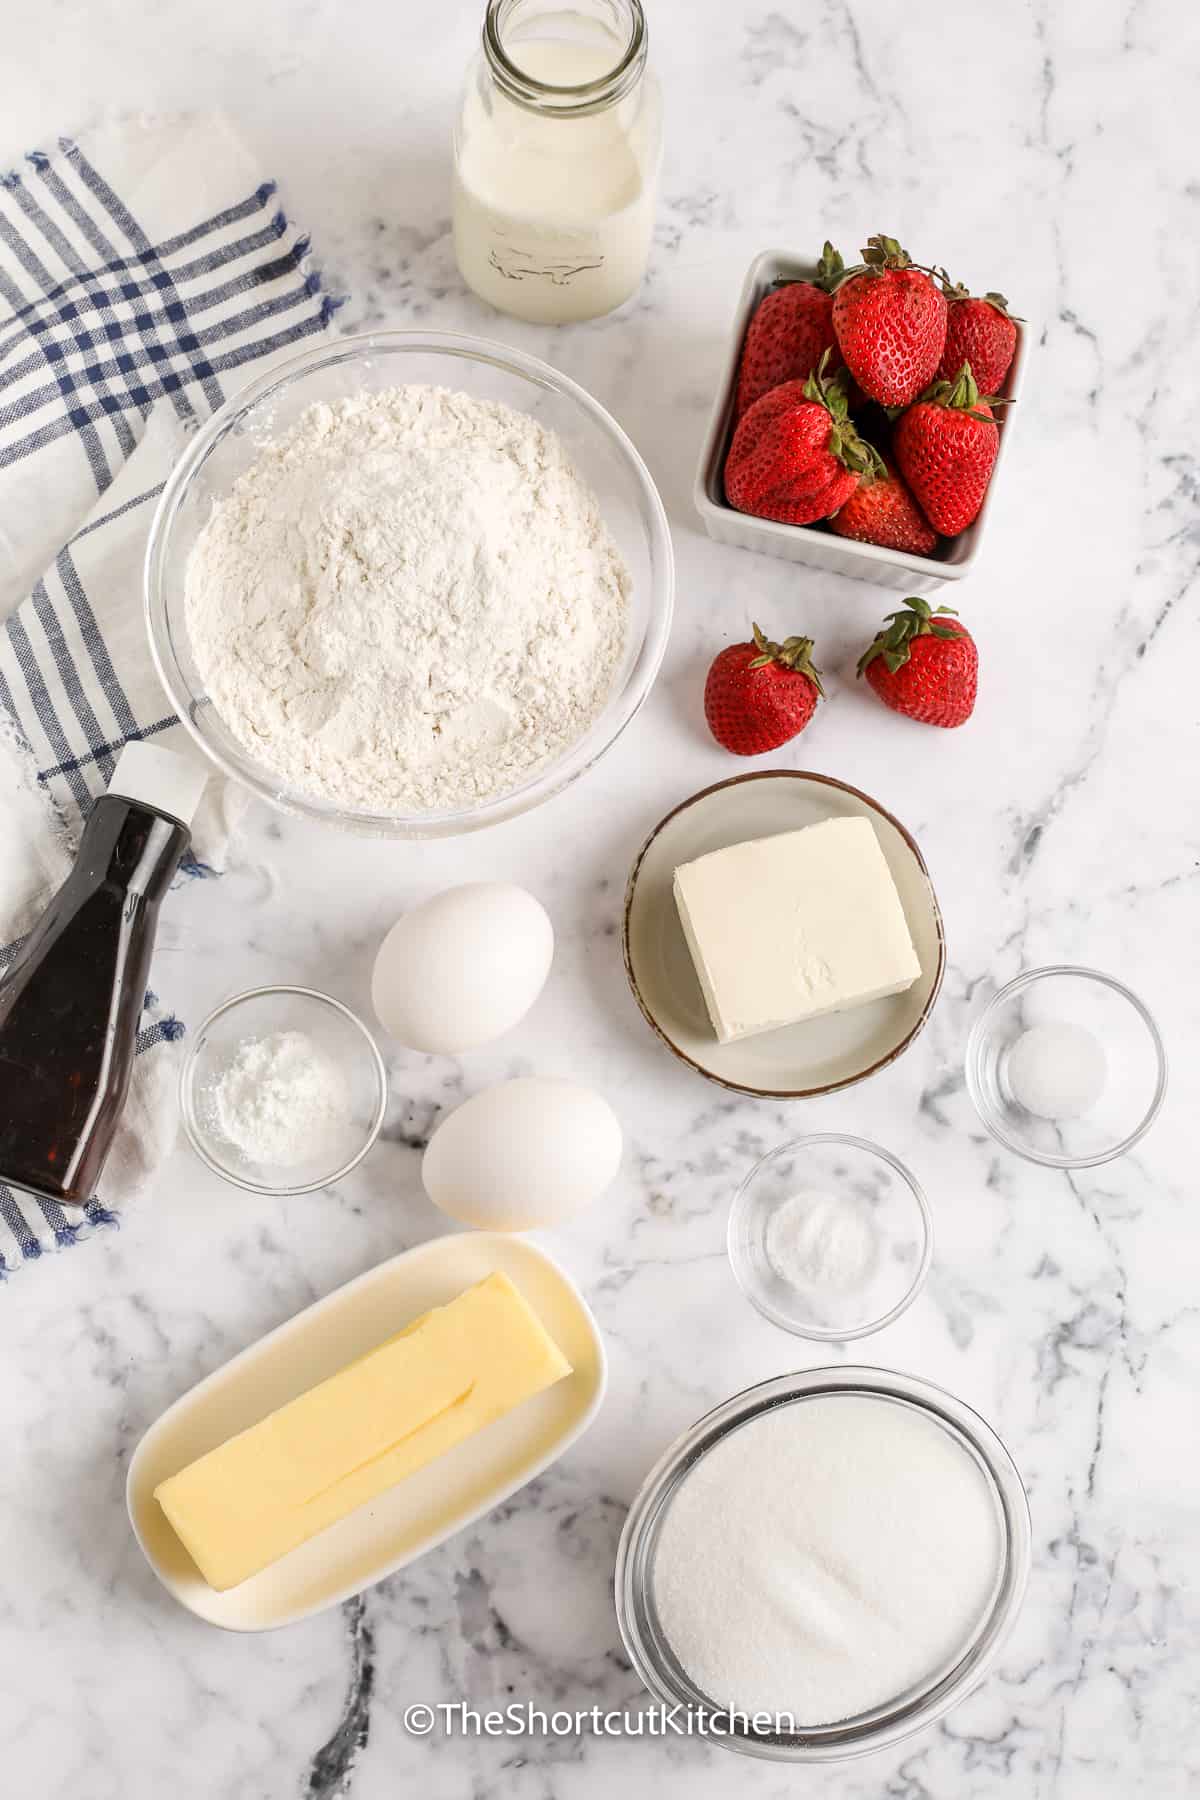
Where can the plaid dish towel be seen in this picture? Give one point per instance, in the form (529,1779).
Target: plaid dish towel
(145,273)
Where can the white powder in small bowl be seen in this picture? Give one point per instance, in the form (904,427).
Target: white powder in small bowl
(280,1100)
(1057,1070)
(822,1241)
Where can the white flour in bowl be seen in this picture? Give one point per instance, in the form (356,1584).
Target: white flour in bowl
(408,602)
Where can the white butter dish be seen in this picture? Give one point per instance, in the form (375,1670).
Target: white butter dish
(810,544)
(420,1512)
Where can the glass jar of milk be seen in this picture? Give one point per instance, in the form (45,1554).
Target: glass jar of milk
(556,157)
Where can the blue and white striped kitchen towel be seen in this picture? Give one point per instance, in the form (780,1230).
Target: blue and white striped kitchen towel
(145,273)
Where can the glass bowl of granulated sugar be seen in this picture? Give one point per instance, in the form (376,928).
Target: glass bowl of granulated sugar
(410,583)
(823,1564)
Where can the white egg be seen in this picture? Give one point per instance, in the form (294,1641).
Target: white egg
(523,1153)
(463,968)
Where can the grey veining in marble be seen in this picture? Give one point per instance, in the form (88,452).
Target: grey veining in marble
(1038,146)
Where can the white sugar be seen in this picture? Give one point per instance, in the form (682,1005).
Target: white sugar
(826,1557)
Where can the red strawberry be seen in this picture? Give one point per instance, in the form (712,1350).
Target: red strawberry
(946,446)
(980,332)
(884,512)
(925,665)
(759,695)
(790,332)
(890,320)
(796,455)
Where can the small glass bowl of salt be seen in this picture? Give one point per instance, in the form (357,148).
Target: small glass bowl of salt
(283,1090)
(1066,1067)
(830,1237)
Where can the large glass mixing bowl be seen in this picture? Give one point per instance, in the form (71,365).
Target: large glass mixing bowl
(228,443)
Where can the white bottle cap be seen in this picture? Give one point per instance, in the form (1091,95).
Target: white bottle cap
(163,780)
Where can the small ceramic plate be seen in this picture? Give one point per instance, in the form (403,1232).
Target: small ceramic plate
(417,1514)
(799,1061)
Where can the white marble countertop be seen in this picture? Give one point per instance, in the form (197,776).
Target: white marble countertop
(1060,825)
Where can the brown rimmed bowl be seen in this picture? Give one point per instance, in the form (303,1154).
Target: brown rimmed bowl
(801,1061)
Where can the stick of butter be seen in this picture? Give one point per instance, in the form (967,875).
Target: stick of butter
(347,1440)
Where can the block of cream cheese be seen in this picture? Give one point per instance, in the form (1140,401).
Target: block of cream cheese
(275,1485)
(785,928)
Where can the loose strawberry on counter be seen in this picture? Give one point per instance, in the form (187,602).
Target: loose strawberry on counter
(882,511)
(760,695)
(796,455)
(979,331)
(946,447)
(890,321)
(924,664)
(790,332)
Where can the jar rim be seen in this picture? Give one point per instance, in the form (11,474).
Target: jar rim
(570,101)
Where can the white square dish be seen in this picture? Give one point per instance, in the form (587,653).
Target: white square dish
(809,544)
(420,1512)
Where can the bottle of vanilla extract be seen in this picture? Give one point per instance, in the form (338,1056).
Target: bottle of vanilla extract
(71,999)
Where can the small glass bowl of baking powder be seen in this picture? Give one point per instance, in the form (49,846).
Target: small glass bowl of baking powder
(830,1237)
(1066,1067)
(283,1090)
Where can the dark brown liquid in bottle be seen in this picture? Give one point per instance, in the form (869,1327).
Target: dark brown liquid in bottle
(71,1001)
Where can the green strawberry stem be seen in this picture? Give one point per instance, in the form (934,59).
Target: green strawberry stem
(958,290)
(853,451)
(900,628)
(881,253)
(962,395)
(830,269)
(1000,304)
(794,653)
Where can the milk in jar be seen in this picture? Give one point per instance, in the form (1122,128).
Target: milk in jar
(556,159)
